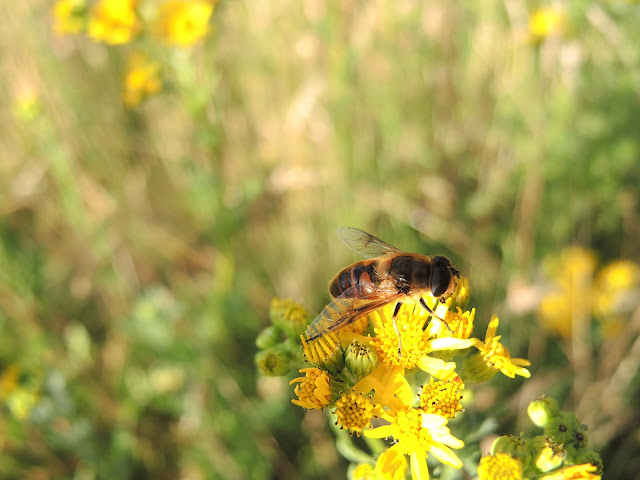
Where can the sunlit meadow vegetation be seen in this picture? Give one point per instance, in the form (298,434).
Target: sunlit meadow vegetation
(168,167)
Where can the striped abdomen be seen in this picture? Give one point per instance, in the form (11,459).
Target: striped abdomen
(361,272)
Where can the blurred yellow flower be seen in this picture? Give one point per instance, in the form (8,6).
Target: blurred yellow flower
(68,16)
(390,465)
(19,390)
(141,81)
(613,286)
(547,21)
(571,296)
(113,21)
(183,22)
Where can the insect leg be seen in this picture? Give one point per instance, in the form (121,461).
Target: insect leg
(395,327)
(433,314)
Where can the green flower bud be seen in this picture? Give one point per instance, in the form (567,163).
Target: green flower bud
(269,337)
(289,316)
(512,445)
(542,410)
(565,428)
(360,359)
(274,362)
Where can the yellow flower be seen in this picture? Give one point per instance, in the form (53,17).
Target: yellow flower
(409,346)
(113,21)
(363,471)
(141,81)
(499,467)
(570,299)
(493,357)
(460,297)
(183,22)
(325,350)
(390,386)
(441,398)
(417,434)
(574,472)
(547,21)
(615,294)
(313,391)
(354,412)
(19,390)
(390,465)
(9,380)
(68,16)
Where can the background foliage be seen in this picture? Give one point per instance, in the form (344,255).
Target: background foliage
(140,247)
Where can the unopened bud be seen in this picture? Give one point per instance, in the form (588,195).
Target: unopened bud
(291,317)
(542,410)
(360,359)
(274,361)
(565,428)
(268,337)
(512,445)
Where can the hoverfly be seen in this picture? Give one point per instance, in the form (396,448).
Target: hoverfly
(388,275)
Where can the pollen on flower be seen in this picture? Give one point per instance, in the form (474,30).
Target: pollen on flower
(313,390)
(441,398)
(412,339)
(460,324)
(354,412)
(499,467)
(409,432)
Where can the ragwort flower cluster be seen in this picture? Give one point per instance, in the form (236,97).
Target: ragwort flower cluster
(148,26)
(397,379)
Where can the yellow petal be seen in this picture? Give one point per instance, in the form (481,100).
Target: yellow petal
(450,343)
(419,469)
(380,432)
(445,455)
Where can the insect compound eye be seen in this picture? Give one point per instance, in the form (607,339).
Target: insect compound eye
(440,279)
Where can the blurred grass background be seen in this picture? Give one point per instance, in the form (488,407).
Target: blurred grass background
(140,248)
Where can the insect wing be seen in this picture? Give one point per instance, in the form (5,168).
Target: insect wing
(354,303)
(364,243)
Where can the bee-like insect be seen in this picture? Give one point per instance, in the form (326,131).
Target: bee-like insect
(389,275)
